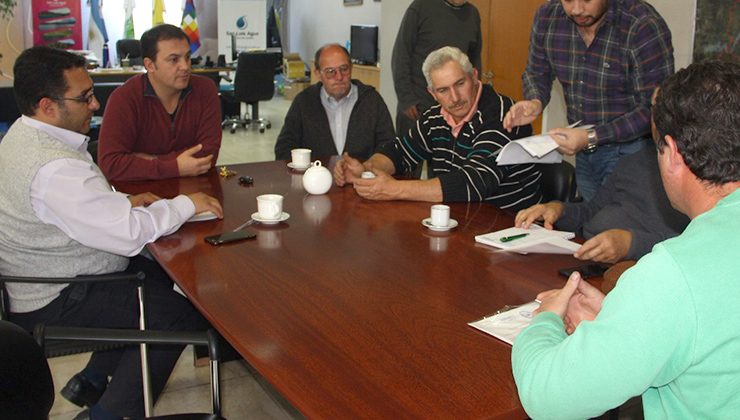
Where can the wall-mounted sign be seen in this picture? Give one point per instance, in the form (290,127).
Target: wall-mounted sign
(57,23)
(244,22)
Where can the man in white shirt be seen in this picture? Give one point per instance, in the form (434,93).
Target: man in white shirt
(59,217)
(338,115)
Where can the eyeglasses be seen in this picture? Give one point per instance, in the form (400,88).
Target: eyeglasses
(86,98)
(332,71)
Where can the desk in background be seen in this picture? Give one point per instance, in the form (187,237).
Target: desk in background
(351,308)
(121,75)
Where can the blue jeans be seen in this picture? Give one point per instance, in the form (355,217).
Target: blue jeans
(593,168)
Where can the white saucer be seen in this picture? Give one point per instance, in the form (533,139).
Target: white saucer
(200,217)
(428,223)
(298,168)
(283,217)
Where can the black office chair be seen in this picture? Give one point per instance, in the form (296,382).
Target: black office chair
(9,110)
(253,82)
(26,387)
(558,182)
(131,49)
(66,347)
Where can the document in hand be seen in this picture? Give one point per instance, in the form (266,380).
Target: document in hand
(540,148)
(533,149)
(507,325)
(537,240)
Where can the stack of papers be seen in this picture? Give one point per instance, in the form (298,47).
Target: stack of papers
(507,325)
(534,149)
(537,240)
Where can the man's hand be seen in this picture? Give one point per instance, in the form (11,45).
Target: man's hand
(411,112)
(548,212)
(522,113)
(570,140)
(205,202)
(189,165)
(584,305)
(609,246)
(144,199)
(347,170)
(382,187)
(557,300)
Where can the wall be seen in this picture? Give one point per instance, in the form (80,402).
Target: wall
(313,23)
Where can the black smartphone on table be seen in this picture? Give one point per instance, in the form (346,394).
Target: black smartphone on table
(587,270)
(228,237)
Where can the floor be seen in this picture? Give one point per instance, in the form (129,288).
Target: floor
(244,393)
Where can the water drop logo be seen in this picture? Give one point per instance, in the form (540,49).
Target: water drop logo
(241,23)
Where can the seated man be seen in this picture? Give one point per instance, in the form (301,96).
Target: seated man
(59,217)
(165,123)
(628,215)
(459,138)
(337,115)
(668,330)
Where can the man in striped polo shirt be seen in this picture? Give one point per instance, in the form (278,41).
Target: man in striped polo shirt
(459,137)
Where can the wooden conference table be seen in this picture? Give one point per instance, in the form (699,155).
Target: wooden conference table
(352,308)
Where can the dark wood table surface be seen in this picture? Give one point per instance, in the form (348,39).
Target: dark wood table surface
(351,308)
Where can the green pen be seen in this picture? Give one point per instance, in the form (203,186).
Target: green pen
(513,237)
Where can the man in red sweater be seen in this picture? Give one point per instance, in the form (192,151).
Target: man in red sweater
(165,123)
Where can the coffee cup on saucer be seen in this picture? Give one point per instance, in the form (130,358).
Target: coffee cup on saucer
(440,215)
(270,206)
(301,158)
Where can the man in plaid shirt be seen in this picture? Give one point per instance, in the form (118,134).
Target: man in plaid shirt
(609,55)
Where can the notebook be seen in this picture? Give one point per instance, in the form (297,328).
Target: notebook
(536,239)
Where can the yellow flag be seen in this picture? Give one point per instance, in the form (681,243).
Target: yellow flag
(158,12)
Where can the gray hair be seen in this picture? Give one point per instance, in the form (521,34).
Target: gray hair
(438,58)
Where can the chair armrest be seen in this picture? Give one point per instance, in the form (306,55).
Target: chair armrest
(126,336)
(97,278)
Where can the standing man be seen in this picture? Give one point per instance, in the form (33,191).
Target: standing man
(337,115)
(429,25)
(609,55)
(668,331)
(59,217)
(165,123)
(459,138)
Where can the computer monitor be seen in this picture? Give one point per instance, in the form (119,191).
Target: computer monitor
(364,44)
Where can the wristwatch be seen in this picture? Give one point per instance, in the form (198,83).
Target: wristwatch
(592,141)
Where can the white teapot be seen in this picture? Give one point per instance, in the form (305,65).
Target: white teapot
(317,179)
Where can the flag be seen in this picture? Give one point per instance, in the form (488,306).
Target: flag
(97,35)
(128,25)
(190,25)
(158,12)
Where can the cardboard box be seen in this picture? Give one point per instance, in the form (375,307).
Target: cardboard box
(292,89)
(293,66)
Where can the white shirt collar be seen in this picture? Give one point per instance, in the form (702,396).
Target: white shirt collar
(72,139)
(330,99)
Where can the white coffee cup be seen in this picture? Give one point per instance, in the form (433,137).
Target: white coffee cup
(440,215)
(270,206)
(301,157)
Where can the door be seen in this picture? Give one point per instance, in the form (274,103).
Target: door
(505,27)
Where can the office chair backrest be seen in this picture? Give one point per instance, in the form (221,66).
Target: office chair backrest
(558,181)
(26,386)
(131,49)
(9,110)
(254,79)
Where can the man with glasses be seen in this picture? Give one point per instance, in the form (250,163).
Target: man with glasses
(165,123)
(59,217)
(337,115)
